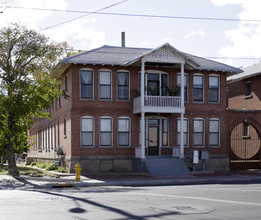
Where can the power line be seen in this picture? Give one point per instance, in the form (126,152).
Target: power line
(139,15)
(88,13)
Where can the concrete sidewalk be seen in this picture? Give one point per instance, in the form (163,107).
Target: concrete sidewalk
(26,182)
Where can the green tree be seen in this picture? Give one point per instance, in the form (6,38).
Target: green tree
(27,88)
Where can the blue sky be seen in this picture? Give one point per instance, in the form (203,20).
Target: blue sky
(205,38)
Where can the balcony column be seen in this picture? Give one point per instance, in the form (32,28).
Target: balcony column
(182,114)
(142,89)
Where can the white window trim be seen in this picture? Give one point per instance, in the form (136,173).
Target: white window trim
(93,132)
(123,71)
(204,138)
(218,87)
(80,92)
(187,133)
(105,146)
(198,74)
(214,146)
(124,117)
(104,70)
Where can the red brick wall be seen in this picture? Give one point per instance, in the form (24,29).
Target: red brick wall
(115,109)
(237,99)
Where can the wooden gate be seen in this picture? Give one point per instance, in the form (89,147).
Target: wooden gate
(245,148)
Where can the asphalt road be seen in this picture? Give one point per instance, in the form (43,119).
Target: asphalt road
(210,202)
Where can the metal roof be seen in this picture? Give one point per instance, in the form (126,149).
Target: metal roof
(120,56)
(248,72)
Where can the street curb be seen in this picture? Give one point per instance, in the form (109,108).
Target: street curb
(160,182)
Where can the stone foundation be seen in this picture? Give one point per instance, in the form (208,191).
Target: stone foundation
(214,163)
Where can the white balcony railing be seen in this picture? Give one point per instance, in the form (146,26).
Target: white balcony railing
(169,104)
(162,101)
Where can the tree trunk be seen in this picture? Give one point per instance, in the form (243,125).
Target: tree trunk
(12,168)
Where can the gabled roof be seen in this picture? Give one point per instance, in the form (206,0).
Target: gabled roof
(248,72)
(124,56)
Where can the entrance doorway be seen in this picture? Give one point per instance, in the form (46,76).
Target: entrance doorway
(153,137)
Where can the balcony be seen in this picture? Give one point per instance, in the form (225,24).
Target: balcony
(158,104)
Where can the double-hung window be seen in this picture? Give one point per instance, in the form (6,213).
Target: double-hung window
(185,86)
(87,132)
(105,131)
(105,85)
(123,85)
(86,84)
(214,132)
(213,90)
(185,124)
(123,132)
(198,88)
(198,132)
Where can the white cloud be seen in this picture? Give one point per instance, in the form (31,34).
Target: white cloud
(245,39)
(30,17)
(78,35)
(194,34)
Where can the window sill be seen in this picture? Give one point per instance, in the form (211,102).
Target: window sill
(86,147)
(86,100)
(215,103)
(105,147)
(248,96)
(214,146)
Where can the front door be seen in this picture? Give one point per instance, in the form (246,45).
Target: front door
(153,137)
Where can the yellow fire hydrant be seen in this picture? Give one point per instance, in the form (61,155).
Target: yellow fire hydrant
(78,172)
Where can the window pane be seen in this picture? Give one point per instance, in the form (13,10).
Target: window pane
(164,84)
(123,78)
(213,82)
(105,77)
(123,139)
(105,124)
(123,92)
(87,124)
(214,126)
(198,81)
(213,95)
(105,92)
(105,139)
(165,125)
(198,139)
(214,139)
(86,77)
(197,94)
(153,76)
(123,125)
(198,125)
(87,139)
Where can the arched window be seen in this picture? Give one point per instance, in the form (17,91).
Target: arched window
(198,132)
(105,131)
(86,84)
(214,132)
(198,88)
(87,131)
(105,84)
(213,88)
(123,132)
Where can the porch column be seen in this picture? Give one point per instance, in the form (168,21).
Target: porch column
(182,114)
(142,89)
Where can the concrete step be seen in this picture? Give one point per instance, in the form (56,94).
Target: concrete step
(166,166)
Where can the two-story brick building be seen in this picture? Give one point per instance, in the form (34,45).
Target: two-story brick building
(121,108)
(244,107)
